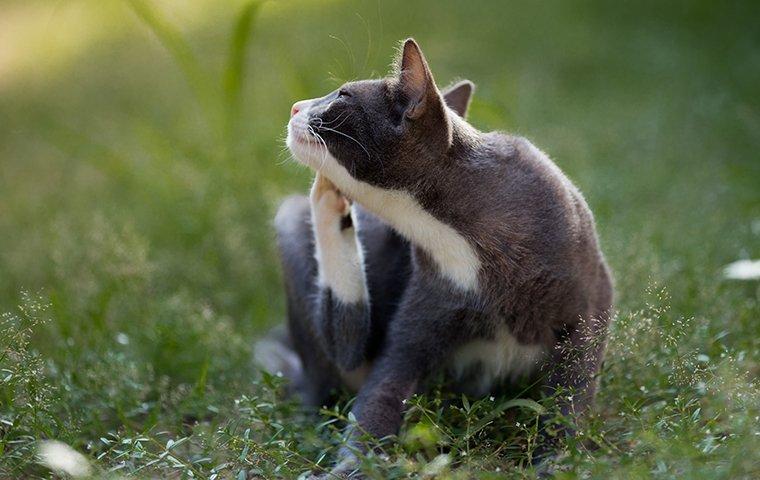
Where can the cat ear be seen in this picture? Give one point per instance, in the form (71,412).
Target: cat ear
(415,78)
(458,96)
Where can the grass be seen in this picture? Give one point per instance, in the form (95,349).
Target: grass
(141,162)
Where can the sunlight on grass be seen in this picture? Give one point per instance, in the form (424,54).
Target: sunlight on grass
(39,38)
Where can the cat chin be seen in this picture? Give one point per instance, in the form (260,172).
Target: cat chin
(310,153)
(319,159)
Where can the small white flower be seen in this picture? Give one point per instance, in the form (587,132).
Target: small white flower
(61,458)
(742,270)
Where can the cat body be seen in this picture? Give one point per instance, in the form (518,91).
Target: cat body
(462,251)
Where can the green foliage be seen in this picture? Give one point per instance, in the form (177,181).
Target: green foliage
(27,399)
(234,74)
(180,50)
(139,174)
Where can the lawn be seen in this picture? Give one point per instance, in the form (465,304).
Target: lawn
(142,159)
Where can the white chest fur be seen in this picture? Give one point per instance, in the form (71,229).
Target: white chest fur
(455,257)
(501,359)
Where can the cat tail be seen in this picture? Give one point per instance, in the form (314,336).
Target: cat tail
(274,354)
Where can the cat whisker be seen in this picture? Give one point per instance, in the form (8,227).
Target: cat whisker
(283,155)
(322,143)
(369,157)
(324,151)
(336,119)
(344,120)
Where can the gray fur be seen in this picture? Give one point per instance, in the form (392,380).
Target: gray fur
(543,275)
(343,329)
(458,96)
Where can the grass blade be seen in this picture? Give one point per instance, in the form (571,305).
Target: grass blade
(180,50)
(497,411)
(234,75)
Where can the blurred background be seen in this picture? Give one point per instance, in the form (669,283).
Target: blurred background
(142,159)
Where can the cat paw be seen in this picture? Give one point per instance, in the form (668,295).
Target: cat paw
(329,206)
(336,243)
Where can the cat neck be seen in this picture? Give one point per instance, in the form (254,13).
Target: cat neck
(455,256)
(463,132)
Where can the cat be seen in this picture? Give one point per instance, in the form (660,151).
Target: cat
(428,246)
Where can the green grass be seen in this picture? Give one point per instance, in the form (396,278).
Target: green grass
(141,160)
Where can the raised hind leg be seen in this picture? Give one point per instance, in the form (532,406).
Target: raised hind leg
(344,277)
(317,375)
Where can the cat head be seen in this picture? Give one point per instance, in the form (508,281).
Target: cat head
(388,133)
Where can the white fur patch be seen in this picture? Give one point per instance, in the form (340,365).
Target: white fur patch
(502,358)
(452,253)
(341,261)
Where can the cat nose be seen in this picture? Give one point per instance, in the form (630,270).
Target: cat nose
(297,107)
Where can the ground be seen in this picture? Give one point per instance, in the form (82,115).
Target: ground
(141,162)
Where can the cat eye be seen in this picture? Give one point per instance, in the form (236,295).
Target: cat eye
(343,93)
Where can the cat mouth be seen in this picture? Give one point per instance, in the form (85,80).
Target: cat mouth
(304,138)
(307,138)
(302,135)
(305,146)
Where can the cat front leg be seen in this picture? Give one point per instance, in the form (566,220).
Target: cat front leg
(295,244)
(429,325)
(343,313)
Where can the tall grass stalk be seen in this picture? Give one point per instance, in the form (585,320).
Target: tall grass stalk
(180,51)
(235,71)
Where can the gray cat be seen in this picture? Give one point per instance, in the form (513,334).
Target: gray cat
(429,246)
